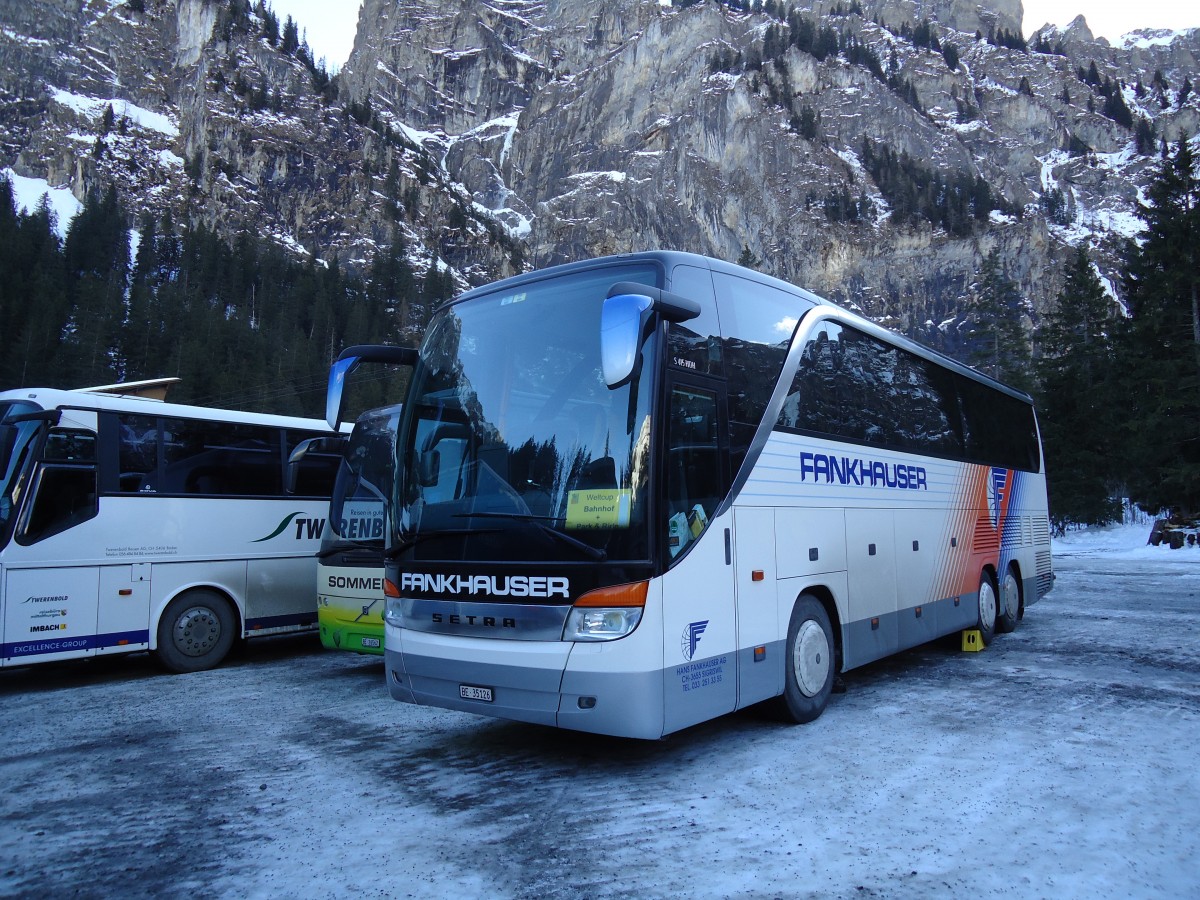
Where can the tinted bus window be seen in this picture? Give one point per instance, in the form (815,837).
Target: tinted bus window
(65,486)
(757,322)
(853,387)
(222,458)
(138,453)
(190,456)
(1000,430)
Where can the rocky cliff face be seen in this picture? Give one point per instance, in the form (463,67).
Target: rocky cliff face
(213,123)
(619,131)
(495,134)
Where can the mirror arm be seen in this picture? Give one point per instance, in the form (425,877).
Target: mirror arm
(380,353)
(672,307)
(348,360)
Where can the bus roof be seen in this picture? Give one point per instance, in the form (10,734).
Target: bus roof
(155,388)
(668,259)
(88,399)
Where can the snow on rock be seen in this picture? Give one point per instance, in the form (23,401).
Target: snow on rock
(93,108)
(30,191)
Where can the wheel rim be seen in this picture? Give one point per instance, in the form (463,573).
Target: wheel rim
(1012,595)
(196,631)
(987,604)
(811,658)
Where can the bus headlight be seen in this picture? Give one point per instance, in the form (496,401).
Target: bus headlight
(391,612)
(606,614)
(601,624)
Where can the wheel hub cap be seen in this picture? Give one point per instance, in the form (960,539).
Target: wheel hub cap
(987,604)
(811,659)
(196,631)
(1011,595)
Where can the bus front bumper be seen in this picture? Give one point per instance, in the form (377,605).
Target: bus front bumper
(527,681)
(340,630)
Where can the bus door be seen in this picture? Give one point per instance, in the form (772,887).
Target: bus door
(699,620)
(50,606)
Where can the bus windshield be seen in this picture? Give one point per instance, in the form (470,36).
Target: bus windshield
(15,440)
(364,480)
(513,447)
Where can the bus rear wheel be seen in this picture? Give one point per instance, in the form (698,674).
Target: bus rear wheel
(1009,611)
(987,608)
(810,664)
(196,631)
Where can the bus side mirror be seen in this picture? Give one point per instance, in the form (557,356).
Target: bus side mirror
(429,467)
(347,360)
(323,444)
(334,393)
(624,319)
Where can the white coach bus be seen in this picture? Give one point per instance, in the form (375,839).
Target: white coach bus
(639,492)
(128,524)
(350,563)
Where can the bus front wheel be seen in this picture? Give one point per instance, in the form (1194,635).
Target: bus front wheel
(1009,609)
(196,631)
(810,662)
(987,608)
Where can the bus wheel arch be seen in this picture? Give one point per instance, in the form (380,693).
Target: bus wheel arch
(196,630)
(811,660)
(1010,600)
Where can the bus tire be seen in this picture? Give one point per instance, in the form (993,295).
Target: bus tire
(1008,612)
(196,631)
(987,608)
(810,666)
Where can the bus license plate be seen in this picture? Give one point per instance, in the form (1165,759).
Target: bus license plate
(471,692)
(371,642)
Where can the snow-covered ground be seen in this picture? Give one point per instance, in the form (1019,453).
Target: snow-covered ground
(1059,762)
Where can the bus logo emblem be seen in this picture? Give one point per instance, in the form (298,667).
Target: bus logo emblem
(997,487)
(691,637)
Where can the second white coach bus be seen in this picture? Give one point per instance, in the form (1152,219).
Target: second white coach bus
(350,563)
(639,492)
(128,524)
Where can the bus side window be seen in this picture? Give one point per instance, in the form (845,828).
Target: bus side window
(138,454)
(65,486)
(694,485)
(221,459)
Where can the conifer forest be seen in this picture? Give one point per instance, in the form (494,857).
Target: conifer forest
(249,325)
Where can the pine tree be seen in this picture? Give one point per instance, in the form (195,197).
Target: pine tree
(950,55)
(33,305)
(96,256)
(138,333)
(291,37)
(1161,346)
(748,259)
(997,336)
(1077,409)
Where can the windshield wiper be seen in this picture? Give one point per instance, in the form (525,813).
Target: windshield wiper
(505,515)
(595,553)
(347,546)
(393,552)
